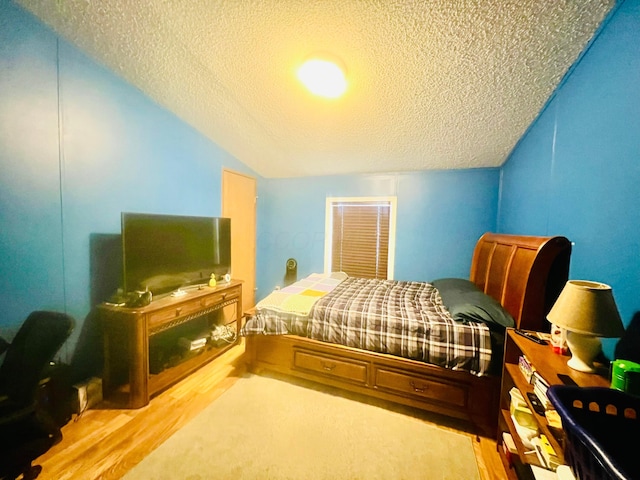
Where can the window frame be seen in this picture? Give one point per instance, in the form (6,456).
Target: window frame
(328,230)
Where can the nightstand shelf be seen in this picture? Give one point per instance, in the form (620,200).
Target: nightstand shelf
(548,364)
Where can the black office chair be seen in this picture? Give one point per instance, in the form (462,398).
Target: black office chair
(26,431)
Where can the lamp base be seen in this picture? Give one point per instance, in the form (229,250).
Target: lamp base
(584,349)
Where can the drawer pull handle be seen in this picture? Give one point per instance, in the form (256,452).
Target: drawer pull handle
(178,311)
(416,388)
(328,366)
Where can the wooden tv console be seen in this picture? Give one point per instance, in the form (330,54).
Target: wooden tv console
(128,377)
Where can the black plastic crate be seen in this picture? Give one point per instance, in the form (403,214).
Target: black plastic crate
(602,431)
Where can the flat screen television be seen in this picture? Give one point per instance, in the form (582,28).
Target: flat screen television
(163,253)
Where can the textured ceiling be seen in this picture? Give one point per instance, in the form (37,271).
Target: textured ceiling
(432,84)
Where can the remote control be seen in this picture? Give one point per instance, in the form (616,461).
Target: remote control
(532,337)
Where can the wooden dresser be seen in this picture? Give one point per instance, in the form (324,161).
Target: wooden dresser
(135,339)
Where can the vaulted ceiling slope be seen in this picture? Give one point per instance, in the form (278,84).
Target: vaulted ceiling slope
(432,84)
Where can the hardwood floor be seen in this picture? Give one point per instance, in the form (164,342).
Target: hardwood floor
(105,443)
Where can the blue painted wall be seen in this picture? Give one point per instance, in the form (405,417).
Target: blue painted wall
(31,266)
(77,146)
(577,170)
(440,216)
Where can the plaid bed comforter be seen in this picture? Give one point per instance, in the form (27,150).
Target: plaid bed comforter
(406,319)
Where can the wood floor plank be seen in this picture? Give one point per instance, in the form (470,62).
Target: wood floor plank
(105,443)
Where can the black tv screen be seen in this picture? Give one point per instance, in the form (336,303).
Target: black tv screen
(162,253)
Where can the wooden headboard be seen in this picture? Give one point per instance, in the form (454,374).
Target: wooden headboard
(524,273)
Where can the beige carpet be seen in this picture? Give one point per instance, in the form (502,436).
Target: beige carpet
(265,428)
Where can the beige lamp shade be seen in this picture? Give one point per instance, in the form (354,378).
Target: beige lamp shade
(587,308)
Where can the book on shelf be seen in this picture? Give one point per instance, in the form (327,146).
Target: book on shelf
(540,387)
(542,396)
(508,446)
(526,367)
(545,452)
(549,454)
(539,379)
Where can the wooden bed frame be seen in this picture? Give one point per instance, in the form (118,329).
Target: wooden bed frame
(525,274)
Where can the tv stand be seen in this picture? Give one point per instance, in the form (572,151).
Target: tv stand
(128,378)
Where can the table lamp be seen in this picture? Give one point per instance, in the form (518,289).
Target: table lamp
(586,310)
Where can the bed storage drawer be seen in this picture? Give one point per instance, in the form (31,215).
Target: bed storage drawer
(422,387)
(342,368)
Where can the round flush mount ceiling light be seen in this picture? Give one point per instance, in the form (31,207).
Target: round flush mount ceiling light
(323,77)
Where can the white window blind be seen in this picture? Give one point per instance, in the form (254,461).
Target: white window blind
(361,232)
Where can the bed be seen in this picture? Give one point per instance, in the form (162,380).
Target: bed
(434,345)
